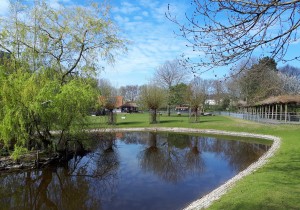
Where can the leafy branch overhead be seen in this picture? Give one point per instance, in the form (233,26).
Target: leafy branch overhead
(70,39)
(229,31)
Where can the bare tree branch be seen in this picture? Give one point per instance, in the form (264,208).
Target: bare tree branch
(230,31)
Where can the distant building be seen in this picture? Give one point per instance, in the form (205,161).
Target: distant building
(182,108)
(129,107)
(210,102)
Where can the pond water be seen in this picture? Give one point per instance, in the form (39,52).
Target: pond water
(133,170)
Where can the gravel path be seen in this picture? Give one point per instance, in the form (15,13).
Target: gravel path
(214,195)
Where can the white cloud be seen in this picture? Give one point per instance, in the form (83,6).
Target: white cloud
(126,8)
(145,13)
(56,4)
(4,7)
(153,43)
(138,18)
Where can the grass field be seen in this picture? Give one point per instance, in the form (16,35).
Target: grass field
(274,186)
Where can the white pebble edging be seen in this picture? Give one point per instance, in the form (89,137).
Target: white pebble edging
(216,194)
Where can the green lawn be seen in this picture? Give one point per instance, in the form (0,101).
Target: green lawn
(274,186)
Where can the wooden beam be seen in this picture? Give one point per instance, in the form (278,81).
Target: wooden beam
(276,112)
(285,114)
(280,112)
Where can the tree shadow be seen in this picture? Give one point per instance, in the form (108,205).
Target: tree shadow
(170,121)
(129,123)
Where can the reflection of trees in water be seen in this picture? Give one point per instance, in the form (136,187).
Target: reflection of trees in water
(193,158)
(163,157)
(81,183)
(135,137)
(172,156)
(86,181)
(238,153)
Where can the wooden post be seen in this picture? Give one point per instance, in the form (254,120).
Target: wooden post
(280,112)
(285,114)
(266,112)
(260,111)
(37,159)
(276,112)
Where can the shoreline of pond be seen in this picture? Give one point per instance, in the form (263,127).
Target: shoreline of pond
(7,165)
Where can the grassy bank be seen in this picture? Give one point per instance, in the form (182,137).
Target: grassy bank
(275,186)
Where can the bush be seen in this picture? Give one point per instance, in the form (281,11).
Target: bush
(18,152)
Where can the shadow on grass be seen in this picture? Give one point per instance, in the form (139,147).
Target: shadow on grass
(208,121)
(130,123)
(171,121)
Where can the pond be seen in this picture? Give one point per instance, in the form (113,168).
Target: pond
(132,170)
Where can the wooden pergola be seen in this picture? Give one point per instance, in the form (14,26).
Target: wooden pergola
(276,108)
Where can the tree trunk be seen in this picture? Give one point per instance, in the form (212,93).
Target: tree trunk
(169,110)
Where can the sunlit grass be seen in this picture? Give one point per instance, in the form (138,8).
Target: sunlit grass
(274,186)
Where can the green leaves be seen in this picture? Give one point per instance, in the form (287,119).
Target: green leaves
(35,103)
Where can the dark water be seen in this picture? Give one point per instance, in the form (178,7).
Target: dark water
(132,170)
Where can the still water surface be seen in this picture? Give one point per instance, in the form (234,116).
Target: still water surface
(133,170)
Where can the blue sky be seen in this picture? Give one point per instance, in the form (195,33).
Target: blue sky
(153,41)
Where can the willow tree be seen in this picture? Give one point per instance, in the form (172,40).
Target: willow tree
(230,31)
(70,39)
(196,96)
(53,56)
(153,98)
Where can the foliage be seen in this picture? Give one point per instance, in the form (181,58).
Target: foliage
(257,81)
(67,39)
(48,78)
(18,152)
(178,94)
(36,103)
(153,98)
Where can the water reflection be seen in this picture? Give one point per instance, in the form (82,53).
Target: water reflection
(113,175)
(171,157)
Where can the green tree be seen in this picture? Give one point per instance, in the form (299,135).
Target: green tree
(34,104)
(153,98)
(69,39)
(178,94)
(260,81)
(48,83)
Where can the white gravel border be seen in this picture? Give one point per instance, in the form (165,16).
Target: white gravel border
(216,194)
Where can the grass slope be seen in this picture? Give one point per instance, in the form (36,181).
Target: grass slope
(274,186)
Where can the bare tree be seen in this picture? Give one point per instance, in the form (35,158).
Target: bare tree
(197,95)
(290,84)
(169,74)
(290,70)
(130,92)
(218,91)
(229,31)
